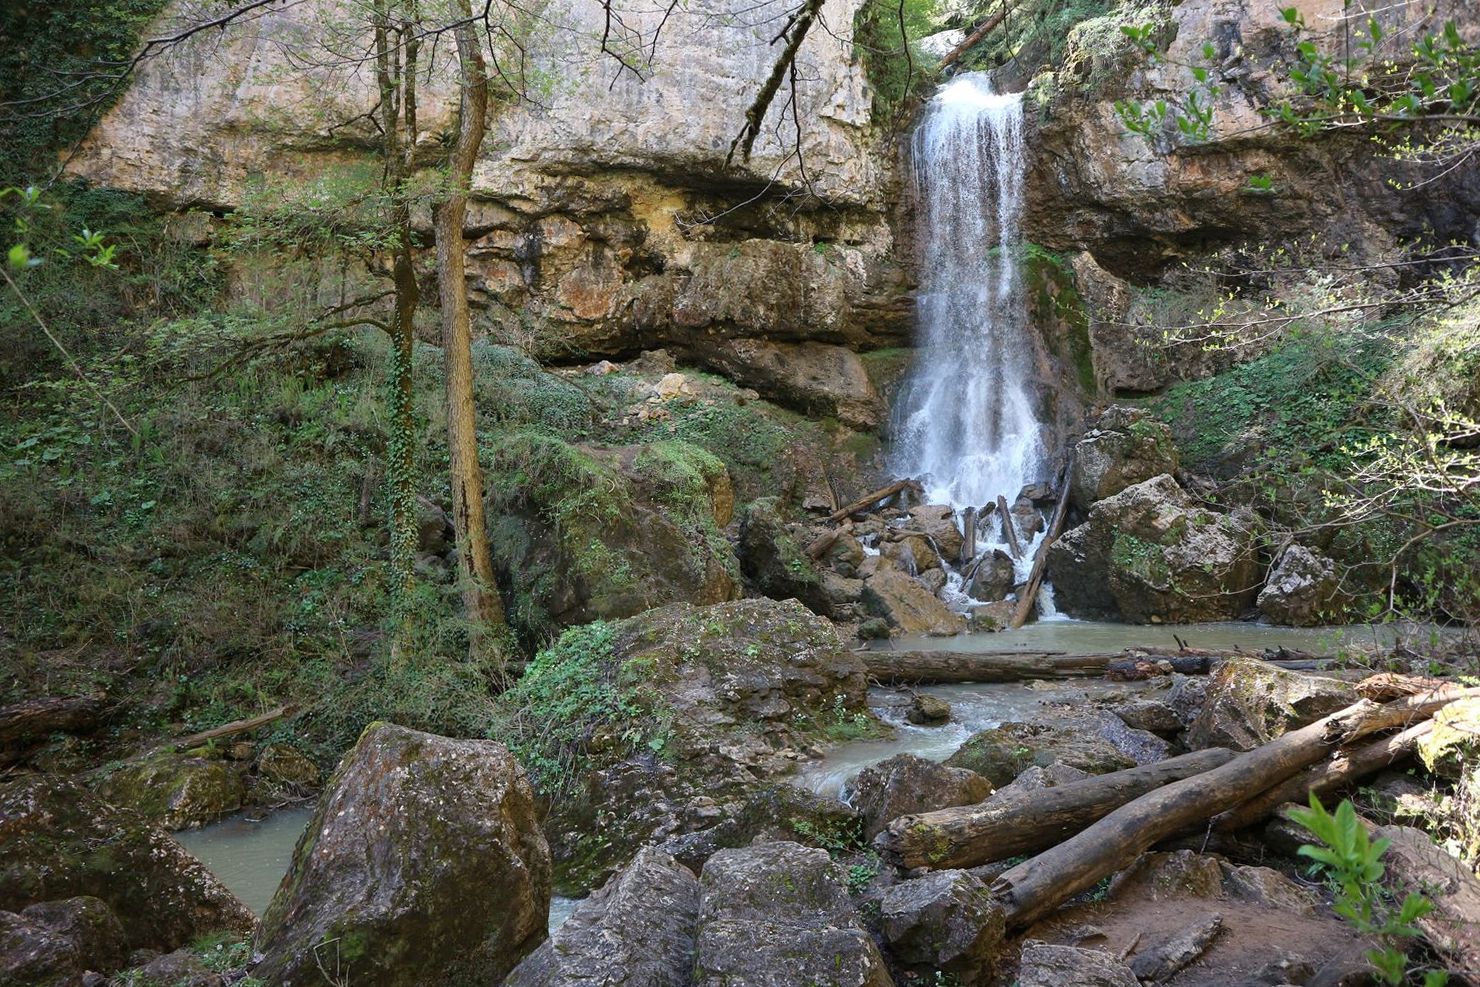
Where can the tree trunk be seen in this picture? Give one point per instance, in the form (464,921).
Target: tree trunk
(27,724)
(1032,889)
(1003,827)
(475,564)
(948,667)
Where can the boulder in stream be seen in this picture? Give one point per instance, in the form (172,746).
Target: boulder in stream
(993,577)
(176,791)
(1303,590)
(1251,702)
(908,605)
(58,841)
(1124,447)
(1001,753)
(938,522)
(638,929)
(907,784)
(424,863)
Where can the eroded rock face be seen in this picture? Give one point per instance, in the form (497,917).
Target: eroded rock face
(1303,590)
(778,915)
(1149,555)
(774,561)
(907,784)
(1124,447)
(58,841)
(424,863)
(637,929)
(1250,702)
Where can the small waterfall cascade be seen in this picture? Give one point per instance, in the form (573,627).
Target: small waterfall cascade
(964,422)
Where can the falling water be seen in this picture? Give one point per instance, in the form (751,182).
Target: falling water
(965,424)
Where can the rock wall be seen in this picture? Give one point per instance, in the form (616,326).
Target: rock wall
(605,220)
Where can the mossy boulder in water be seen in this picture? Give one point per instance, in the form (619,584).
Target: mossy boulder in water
(423,864)
(584,533)
(175,791)
(676,723)
(59,841)
(1003,752)
(1150,555)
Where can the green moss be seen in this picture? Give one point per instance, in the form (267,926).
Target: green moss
(1141,559)
(1055,295)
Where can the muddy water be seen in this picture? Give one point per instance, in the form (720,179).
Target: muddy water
(251,854)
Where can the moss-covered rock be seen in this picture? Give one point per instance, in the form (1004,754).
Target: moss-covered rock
(582,533)
(772,559)
(57,841)
(1250,702)
(176,791)
(52,944)
(423,864)
(677,721)
(1124,447)
(1001,753)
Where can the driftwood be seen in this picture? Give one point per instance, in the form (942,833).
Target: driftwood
(1034,888)
(1340,771)
(1029,597)
(870,500)
(228,729)
(26,724)
(1009,530)
(974,38)
(949,667)
(1005,826)
(825,541)
(968,535)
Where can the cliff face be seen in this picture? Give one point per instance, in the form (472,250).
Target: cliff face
(604,219)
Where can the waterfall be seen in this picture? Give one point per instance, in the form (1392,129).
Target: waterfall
(964,422)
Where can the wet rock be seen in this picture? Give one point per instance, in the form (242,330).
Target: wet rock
(53,943)
(287,769)
(1149,555)
(1250,702)
(938,521)
(775,561)
(944,921)
(845,555)
(913,554)
(992,617)
(907,605)
(1038,778)
(873,629)
(637,929)
(1124,447)
(1267,886)
(1027,518)
(1303,590)
(928,711)
(934,580)
(177,792)
(1152,715)
(906,784)
(1043,965)
(423,863)
(1178,874)
(58,841)
(1162,960)
(778,915)
(1001,753)
(993,577)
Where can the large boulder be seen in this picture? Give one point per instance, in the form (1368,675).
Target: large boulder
(59,841)
(778,915)
(906,784)
(423,863)
(908,606)
(1124,447)
(993,578)
(52,944)
(1149,555)
(1303,590)
(1001,753)
(177,792)
(945,921)
(1250,702)
(814,378)
(938,522)
(637,929)
(681,720)
(774,561)
(584,533)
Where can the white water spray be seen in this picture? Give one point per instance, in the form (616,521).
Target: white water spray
(964,423)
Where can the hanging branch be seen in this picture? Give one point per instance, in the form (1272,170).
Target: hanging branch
(794,33)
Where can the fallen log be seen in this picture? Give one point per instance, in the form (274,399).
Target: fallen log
(871,499)
(1036,887)
(968,535)
(951,667)
(26,724)
(1412,863)
(974,38)
(1027,822)
(825,541)
(1340,771)
(230,729)
(1009,530)
(1029,599)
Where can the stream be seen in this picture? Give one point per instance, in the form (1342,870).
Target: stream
(250,854)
